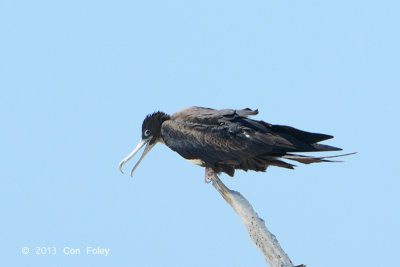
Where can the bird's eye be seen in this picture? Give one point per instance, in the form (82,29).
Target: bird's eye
(147,132)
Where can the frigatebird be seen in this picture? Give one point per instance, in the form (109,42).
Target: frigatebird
(227,140)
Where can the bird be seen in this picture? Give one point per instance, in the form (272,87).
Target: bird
(227,140)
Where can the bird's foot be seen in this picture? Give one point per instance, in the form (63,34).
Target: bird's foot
(210,173)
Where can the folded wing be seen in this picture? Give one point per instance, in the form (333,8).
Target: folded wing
(227,140)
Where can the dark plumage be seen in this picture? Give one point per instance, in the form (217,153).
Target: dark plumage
(226,140)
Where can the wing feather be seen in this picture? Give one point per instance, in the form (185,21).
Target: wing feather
(211,116)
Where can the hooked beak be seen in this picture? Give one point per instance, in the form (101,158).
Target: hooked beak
(133,153)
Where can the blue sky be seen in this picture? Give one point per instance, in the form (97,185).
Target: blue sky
(77,79)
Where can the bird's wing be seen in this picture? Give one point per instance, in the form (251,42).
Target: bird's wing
(228,139)
(208,116)
(220,143)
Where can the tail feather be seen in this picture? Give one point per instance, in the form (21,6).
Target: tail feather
(321,147)
(311,159)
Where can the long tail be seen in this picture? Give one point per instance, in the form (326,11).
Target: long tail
(311,159)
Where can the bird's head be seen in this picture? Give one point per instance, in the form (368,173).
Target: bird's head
(151,134)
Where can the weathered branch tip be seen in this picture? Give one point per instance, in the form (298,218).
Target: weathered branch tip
(255,226)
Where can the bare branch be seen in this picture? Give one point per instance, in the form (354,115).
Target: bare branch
(255,226)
